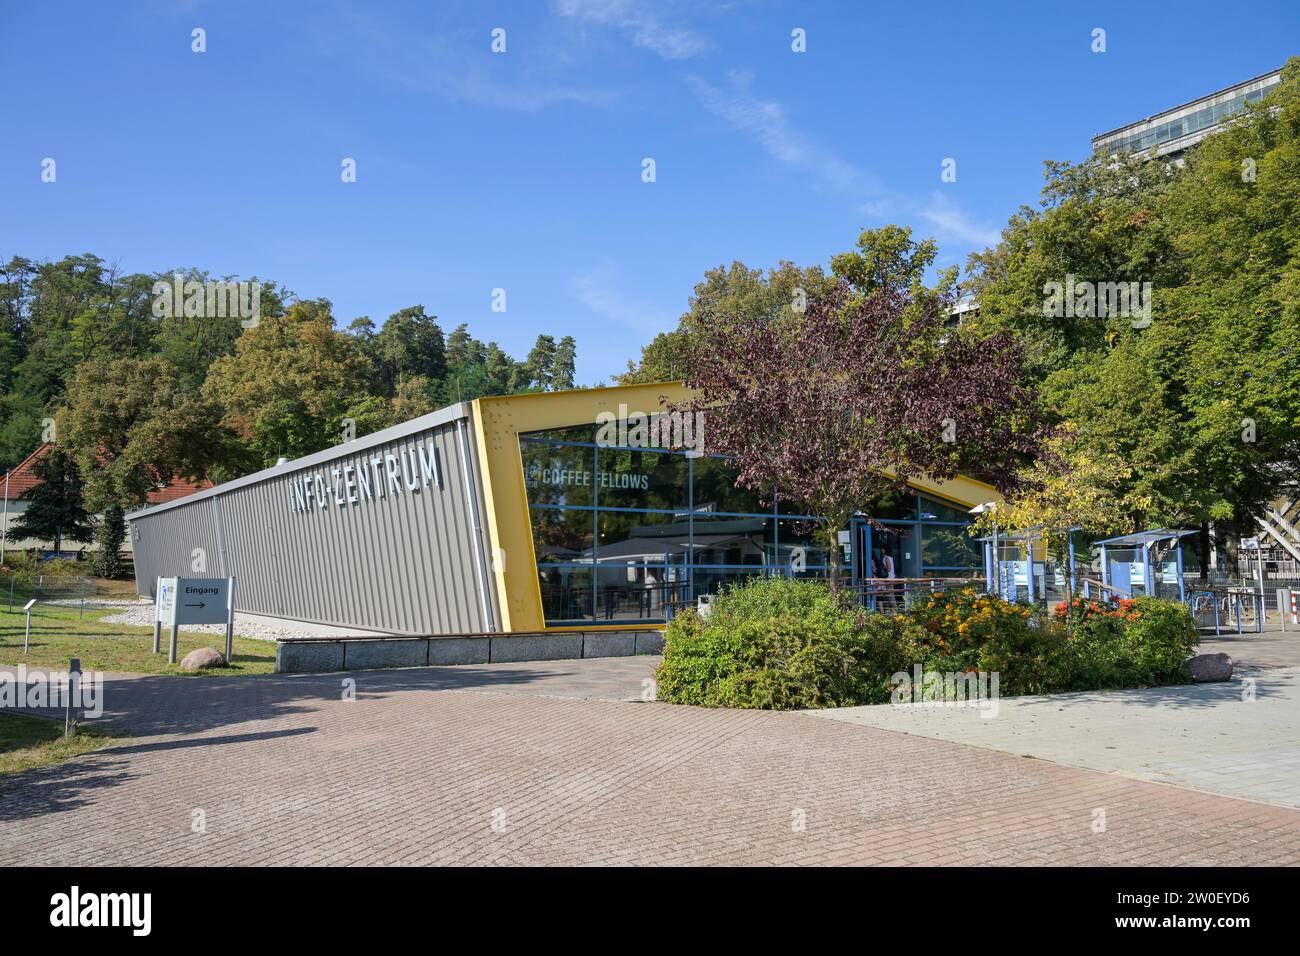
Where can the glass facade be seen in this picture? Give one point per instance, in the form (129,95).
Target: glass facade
(620,533)
(1185,125)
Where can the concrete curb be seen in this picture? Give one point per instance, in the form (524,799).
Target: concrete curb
(316,655)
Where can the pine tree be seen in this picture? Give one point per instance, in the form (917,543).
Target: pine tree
(565,364)
(56,506)
(539,367)
(110,532)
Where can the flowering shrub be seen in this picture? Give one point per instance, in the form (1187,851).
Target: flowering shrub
(778,643)
(969,629)
(1087,608)
(1139,642)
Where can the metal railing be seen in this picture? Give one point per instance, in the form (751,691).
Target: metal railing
(888,595)
(1240,608)
(892,595)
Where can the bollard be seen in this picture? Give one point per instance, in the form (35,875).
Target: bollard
(74,686)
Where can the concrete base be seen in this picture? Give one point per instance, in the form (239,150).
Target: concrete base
(308,657)
(536,647)
(649,642)
(358,655)
(459,650)
(315,656)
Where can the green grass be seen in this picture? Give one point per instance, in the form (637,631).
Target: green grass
(27,742)
(59,634)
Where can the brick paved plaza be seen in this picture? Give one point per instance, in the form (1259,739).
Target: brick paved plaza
(561,763)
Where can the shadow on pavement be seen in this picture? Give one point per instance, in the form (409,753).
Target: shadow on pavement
(1185,696)
(66,786)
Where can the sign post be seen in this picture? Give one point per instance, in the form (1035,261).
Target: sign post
(194,601)
(157,615)
(27,633)
(230,622)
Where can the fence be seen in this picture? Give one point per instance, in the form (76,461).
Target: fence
(84,592)
(1240,609)
(889,595)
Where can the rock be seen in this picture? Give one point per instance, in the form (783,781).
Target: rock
(1206,668)
(206,657)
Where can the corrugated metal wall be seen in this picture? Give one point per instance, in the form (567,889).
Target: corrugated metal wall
(404,559)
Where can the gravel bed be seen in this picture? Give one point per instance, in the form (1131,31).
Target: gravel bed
(139,613)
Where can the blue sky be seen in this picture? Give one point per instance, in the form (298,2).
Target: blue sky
(522,170)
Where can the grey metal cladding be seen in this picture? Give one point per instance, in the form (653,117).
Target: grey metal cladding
(399,560)
(168,542)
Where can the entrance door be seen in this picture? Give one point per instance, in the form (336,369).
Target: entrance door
(860,558)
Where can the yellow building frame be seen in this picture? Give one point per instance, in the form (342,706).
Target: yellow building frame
(499,422)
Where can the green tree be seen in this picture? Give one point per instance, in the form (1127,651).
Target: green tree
(56,505)
(291,384)
(192,343)
(500,369)
(410,343)
(727,295)
(889,259)
(133,427)
(1202,400)
(110,532)
(564,367)
(539,367)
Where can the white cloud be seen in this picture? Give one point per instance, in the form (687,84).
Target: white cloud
(647,29)
(767,123)
(446,65)
(953,223)
(603,291)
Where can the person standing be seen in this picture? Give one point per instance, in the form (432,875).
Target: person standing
(890,601)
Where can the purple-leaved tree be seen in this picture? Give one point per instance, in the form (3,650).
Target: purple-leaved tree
(835,405)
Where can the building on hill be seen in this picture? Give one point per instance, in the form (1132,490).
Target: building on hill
(1174,131)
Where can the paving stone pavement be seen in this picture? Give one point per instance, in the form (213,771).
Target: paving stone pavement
(524,764)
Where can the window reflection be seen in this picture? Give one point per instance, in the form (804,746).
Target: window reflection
(622,534)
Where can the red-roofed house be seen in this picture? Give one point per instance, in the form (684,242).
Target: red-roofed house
(22,477)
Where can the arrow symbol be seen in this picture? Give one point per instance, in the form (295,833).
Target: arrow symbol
(200,604)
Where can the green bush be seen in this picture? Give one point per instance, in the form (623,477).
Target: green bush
(26,570)
(1141,643)
(782,644)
